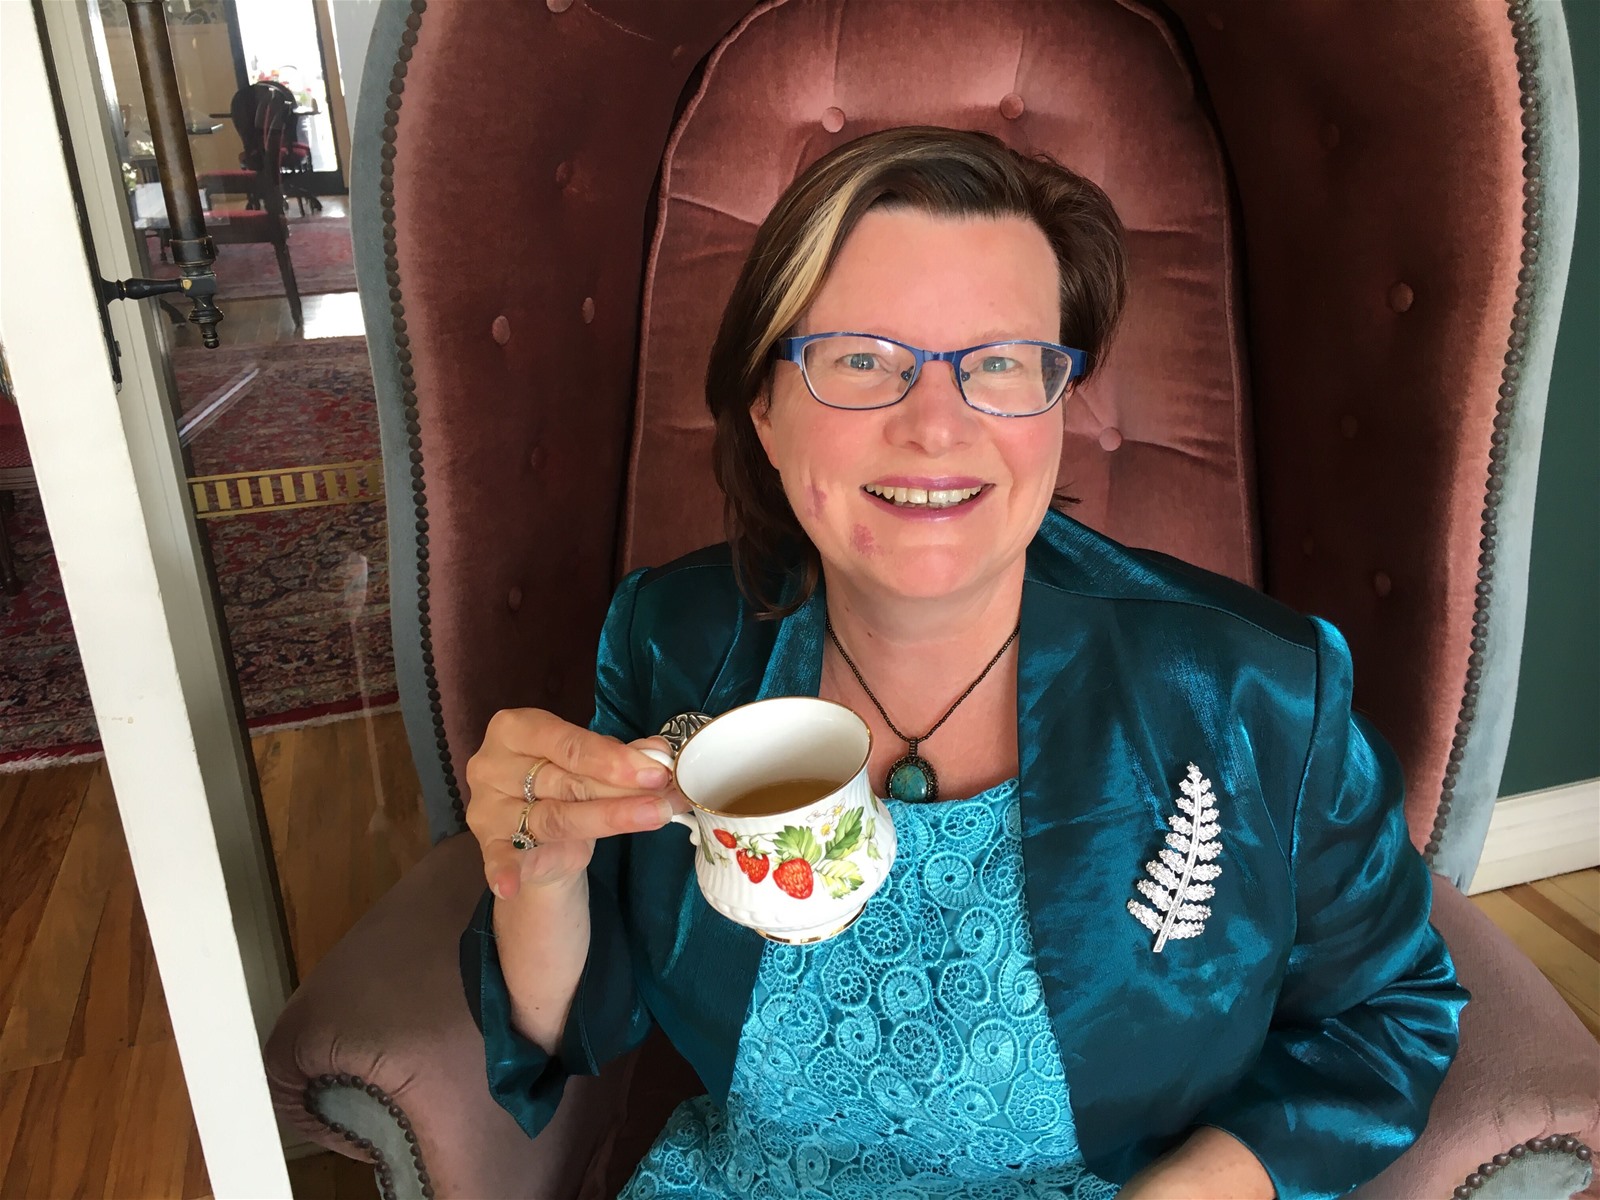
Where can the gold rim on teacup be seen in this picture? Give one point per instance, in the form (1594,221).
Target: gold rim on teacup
(717,812)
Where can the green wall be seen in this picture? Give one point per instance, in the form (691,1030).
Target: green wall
(1555,734)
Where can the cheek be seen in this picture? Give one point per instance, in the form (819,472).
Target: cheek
(816,501)
(861,541)
(1039,459)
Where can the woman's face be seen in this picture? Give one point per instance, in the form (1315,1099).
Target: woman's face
(943,284)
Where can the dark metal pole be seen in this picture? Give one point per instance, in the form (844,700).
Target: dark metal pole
(192,248)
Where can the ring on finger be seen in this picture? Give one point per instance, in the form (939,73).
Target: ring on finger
(522,839)
(539,764)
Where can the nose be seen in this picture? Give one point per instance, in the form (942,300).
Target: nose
(933,417)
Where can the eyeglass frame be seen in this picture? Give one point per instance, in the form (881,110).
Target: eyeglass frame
(792,350)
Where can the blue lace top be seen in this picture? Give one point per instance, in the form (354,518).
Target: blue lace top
(909,1057)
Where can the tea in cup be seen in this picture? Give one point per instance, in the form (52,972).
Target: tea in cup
(792,842)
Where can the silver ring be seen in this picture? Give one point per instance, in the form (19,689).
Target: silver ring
(522,839)
(539,764)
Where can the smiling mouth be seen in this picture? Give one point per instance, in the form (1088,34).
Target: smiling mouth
(902,497)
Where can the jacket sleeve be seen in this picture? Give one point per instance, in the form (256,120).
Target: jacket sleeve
(1366,1020)
(607,1016)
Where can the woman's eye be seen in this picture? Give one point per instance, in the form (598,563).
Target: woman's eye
(996,364)
(861,362)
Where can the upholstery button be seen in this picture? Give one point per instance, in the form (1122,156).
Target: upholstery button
(563,174)
(833,120)
(1382,584)
(1110,438)
(514,599)
(1216,22)
(1400,297)
(536,458)
(1011,106)
(1307,547)
(558,6)
(501,330)
(588,309)
(1330,136)
(1349,426)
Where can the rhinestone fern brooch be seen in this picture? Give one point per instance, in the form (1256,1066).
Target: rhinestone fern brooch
(1180,878)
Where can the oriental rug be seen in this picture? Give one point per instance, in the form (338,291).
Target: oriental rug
(319,248)
(302,568)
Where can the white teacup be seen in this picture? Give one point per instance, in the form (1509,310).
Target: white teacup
(802,873)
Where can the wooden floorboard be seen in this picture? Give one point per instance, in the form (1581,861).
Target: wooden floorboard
(1564,945)
(50,978)
(1578,893)
(92,1097)
(41,810)
(330,1176)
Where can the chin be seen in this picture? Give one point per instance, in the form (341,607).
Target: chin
(925,574)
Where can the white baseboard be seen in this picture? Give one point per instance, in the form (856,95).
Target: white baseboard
(1540,834)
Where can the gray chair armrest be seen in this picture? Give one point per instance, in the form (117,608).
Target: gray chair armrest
(378,1049)
(1528,1072)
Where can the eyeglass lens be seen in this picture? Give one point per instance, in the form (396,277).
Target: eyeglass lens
(1014,379)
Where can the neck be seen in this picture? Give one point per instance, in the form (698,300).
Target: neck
(891,636)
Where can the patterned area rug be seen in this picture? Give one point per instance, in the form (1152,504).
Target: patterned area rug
(302,568)
(319,247)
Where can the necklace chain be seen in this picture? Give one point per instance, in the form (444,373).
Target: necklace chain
(971,687)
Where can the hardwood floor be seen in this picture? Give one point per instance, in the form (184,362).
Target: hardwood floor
(1556,923)
(92,1099)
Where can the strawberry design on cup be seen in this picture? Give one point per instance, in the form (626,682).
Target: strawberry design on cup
(794,876)
(801,868)
(801,857)
(753,865)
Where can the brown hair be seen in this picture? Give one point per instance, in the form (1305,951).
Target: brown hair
(945,172)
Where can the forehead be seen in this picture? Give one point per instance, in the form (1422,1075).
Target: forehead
(941,282)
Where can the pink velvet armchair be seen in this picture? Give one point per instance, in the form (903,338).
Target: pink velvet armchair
(1349,225)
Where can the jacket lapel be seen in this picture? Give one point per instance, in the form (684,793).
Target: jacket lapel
(795,668)
(1107,714)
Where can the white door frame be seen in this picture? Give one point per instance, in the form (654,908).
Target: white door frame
(111,481)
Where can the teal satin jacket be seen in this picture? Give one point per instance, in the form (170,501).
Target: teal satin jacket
(1313,1017)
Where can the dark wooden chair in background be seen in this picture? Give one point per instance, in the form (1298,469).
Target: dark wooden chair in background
(264,114)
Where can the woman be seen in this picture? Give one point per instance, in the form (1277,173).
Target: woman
(1019,1012)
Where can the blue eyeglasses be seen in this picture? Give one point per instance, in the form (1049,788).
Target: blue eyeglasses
(864,371)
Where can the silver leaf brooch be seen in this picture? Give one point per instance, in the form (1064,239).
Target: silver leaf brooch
(1180,877)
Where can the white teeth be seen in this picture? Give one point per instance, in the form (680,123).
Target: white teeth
(922,497)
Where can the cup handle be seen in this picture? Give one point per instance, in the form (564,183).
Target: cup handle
(684,819)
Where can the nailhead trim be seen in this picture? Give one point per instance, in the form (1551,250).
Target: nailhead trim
(1561,1143)
(408,391)
(369,1151)
(1505,408)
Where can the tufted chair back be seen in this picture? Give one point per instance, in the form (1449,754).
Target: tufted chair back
(1348,251)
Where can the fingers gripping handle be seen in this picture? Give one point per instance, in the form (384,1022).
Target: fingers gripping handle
(670,763)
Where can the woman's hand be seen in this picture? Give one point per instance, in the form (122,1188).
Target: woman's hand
(1210,1165)
(589,786)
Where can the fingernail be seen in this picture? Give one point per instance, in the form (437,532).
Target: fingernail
(655,812)
(652,777)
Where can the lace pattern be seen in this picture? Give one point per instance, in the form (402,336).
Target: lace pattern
(909,1057)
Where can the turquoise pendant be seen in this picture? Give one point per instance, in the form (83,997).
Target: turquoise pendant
(913,780)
